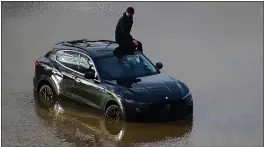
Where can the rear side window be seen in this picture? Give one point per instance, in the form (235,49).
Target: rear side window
(85,64)
(68,58)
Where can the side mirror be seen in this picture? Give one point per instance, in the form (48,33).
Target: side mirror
(159,65)
(89,75)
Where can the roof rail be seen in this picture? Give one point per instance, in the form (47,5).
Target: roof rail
(85,41)
(107,41)
(73,43)
(77,41)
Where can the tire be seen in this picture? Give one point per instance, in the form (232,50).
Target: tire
(114,112)
(46,96)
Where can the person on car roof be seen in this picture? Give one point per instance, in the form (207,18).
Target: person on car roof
(127,44)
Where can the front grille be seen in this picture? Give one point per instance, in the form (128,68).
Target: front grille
(158,111)
(171,106)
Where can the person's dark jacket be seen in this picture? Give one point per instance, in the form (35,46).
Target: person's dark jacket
(123,28)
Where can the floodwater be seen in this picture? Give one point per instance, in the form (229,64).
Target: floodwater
(216,48)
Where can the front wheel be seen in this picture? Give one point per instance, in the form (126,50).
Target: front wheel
(114,112)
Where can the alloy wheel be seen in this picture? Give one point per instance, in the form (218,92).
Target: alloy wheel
(114,112)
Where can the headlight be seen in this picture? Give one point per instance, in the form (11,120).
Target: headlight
(186,95)
(121,97)
(134,102)
(130,101)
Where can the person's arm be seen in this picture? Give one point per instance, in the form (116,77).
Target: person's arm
(126,30)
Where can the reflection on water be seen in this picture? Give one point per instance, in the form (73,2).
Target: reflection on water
(77,124)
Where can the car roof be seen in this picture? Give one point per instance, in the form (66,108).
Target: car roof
(93,48)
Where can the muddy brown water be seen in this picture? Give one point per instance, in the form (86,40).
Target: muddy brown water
(216,48)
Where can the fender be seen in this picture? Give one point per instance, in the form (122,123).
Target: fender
(114,97)
(53,81)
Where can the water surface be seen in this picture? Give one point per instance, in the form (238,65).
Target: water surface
(216,48)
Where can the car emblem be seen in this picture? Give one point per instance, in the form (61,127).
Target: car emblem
(168,106)
(166,97)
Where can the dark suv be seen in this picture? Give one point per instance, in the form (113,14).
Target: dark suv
(130,88)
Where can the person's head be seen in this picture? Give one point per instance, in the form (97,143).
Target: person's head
(130,12)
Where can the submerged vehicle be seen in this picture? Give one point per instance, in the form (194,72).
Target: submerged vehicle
(131,88)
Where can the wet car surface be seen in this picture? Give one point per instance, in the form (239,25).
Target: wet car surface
(199,43)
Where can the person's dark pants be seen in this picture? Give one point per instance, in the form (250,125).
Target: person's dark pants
(127,48)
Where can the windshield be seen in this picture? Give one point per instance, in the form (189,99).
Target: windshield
(130,66)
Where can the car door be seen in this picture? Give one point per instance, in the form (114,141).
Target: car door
(88,89)
(68,61)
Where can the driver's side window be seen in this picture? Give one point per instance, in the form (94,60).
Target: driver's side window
(85,65)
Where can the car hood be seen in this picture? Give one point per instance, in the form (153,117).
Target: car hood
(154,86)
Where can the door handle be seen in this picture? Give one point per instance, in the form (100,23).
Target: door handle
(77,80)
(100,89)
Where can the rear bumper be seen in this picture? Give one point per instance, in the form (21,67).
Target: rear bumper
(160,112)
